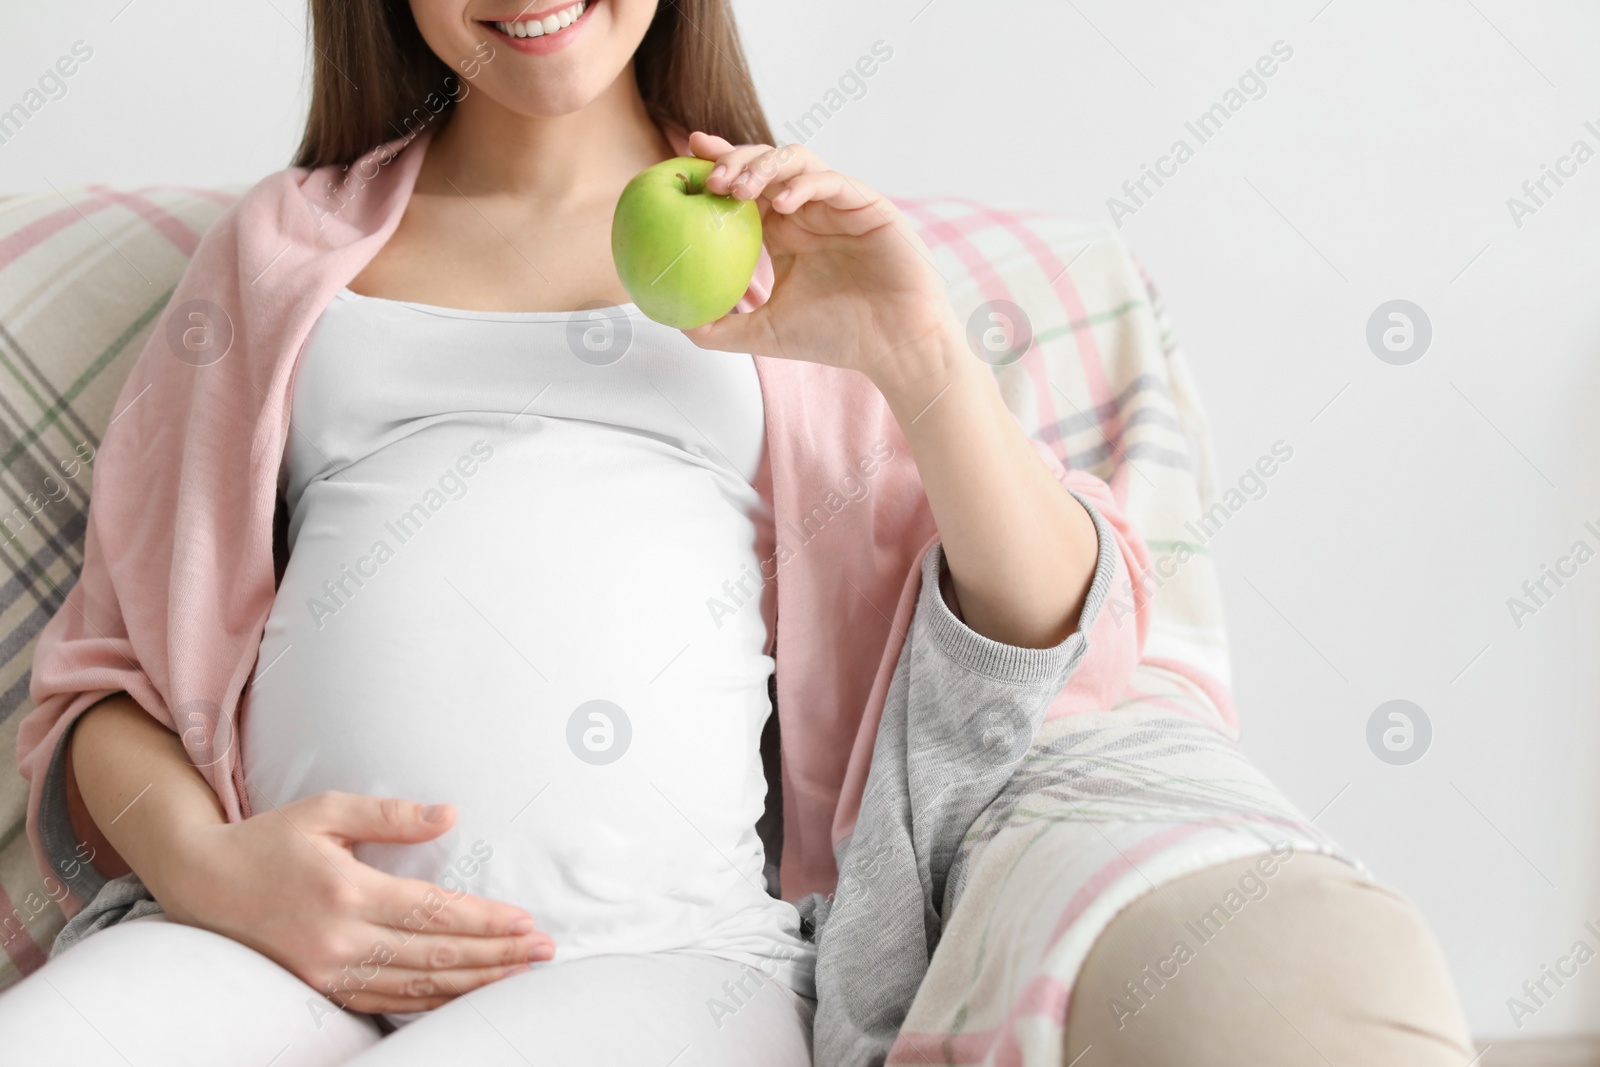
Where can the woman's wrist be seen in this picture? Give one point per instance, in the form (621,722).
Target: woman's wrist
(919,373)
(184,870)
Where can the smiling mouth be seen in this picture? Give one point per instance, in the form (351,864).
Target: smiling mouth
(550,25)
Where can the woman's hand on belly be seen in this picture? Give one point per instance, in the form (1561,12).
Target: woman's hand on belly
(286,883)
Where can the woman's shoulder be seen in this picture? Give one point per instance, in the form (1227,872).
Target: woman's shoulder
(252,220)
(275,202)
(272,192)
(316,205)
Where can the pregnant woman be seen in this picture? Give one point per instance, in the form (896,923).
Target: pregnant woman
(411,705)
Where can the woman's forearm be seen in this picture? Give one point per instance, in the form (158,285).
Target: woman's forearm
(137,792)
(1021,550)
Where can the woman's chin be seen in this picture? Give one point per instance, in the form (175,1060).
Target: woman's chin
(554,100)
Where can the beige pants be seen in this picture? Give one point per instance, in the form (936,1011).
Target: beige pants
(1324,968)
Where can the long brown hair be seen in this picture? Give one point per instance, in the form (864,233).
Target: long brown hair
(375,79)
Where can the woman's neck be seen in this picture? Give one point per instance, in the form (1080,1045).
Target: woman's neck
(488,150)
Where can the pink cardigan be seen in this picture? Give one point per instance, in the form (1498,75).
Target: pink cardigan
(178,576)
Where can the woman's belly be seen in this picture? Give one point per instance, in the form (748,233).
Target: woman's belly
(517,623)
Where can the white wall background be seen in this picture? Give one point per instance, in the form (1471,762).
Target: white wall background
(1376,166)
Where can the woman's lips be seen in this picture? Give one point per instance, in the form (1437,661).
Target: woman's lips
(549,41)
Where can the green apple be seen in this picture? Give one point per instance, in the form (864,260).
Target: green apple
(685,255)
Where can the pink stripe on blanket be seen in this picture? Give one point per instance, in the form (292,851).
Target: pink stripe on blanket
(1158,700)
(21,240)
(174,229)
(936,231)
(1061,283)
(1045,994)
(1089,355)
(1214,690)
(24,953)
(953,232)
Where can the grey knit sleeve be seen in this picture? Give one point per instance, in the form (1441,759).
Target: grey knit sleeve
(69,860)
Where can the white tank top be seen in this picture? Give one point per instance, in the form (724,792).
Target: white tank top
(515,540)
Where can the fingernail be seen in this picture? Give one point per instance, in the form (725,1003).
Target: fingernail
(542,950)
(523,925)
(435,812)
(717,171)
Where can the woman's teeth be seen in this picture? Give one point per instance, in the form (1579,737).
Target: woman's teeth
(549,24)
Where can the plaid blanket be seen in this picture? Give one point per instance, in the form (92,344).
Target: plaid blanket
(1109,803)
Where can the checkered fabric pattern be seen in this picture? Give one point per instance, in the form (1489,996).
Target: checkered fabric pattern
(84,279)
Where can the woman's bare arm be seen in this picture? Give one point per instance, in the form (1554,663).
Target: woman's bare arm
(131,789)
(285,881)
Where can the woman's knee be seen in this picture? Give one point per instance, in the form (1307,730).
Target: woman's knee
(1298,959)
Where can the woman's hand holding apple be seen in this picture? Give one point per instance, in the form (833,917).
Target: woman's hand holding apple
(854,285)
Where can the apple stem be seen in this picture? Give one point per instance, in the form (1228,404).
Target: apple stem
(688,183)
